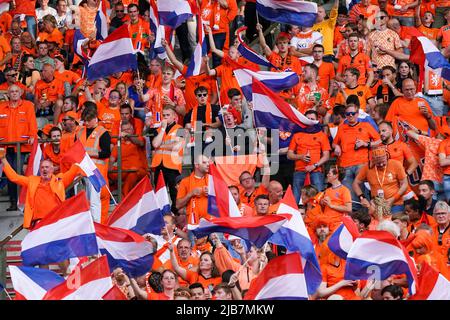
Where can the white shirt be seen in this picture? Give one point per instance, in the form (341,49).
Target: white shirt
(64,20)
(42,13)
(306,40)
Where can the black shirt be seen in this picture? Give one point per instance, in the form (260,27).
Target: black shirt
(387,96)
(201,115)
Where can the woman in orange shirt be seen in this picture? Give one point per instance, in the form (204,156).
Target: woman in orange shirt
(337,199)
(208,274)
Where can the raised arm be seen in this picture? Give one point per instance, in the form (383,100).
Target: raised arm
(171,56)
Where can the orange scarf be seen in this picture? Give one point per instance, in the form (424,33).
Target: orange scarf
(208,116)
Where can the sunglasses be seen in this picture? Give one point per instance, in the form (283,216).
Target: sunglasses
(120,10)
(11,75)
(64,120)
(348,114)
(381,18)
(202,95)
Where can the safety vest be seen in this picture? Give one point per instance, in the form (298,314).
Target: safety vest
(92,147)
(170,159)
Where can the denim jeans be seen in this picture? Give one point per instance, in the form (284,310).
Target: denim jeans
(299,181)
(437,105)
(438,191)
(447,186)
(350,175)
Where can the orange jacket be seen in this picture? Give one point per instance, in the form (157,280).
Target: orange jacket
(18,124)
(58,184)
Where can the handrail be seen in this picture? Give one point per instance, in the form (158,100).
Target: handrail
(10,236)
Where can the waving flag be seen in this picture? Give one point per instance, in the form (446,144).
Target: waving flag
(174,12)
(220,201)
(432,285)
(66,232)
(32,170)
(77,155)
(33,283)
(281,279)
(101,21)
(115,54)
(273,112)
(295,12)
(162,196)
(294,236)
(160,32)
(139,211)
(257,230)
(89,283)
(125,249)
(249,54)
(341,240)
(114,294)
(199,51)
(275,81)
(379,252)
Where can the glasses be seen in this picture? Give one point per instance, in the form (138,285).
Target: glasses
(202,95)
(348,114)
(120,10)
(381,18)
(317,51)
(64,120)
(11,75)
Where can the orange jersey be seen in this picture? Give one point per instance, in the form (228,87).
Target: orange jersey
(55,36)
(442,239)
(125,77)
(360,61)
(67,76)
(408,110)
(346,139)
(326,74)
(110,117)
(288,63)
(227,80)
(338,196)
(430,33)
(197,206)
(139,33)
(314,143)
(250,199)
(398,150)
(387,178)
(362,91)
(307,97)
(429,5)
(332,275)
(444,148)
(407,13)
(53,89)
(4,49)
(210,283)
(442,3)
(219,18)
(193,83)
(444,32)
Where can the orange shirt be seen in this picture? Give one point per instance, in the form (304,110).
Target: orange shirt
(326,73)
(388,179)
(398,150)
(109,117)
(288,63)
(444,147)
(133,156)
(190,263)
(339,196)
(346,137)
(18,124)
(139,33)
(250,199)
(430,33)
(25,7)
(44,201)
(445,240)
(67,76)
(197,207)
(53,89)
(126,77)
(157,296)
(322,252)
(4,49)
(273,208)
(407,13)
(408,110)
(444,32)
(227,80)
(49,153)
(362,91)
(332,275)
(431,169)
(315,143)
(305,94)
(429,5)
(4,87)
(193,277)
(442,3)
(360,61)
(213,12)
(54,36)
(193,83)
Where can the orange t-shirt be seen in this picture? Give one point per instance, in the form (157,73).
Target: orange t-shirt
(250,199)
(109,117)
(315,143)
(133,156)
(55,36)
(4,49)
(408,110)
(430,33)
(444,32)
(407,13)
(332,275)
(157,296)
(126,77)
(190,263)
(27,7)
(44,201)
(362,91)
(360,61)
(445,240)
(288,63)
(388,179)
(444,147)
(67,76)
(227,80)
(193,83)
(304,102)
(197,207)
(53,89)
(326,73)
(339,196)
(398,150)
(346,138)
(209,10)
(139,33)
(193,277)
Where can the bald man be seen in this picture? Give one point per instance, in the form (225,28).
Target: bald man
(275,195)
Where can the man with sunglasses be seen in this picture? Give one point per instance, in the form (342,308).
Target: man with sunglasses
(120,17)
(385,37)
(11,78)
(441,214)
(351,145)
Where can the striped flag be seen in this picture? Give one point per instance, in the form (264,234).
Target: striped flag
(296,12)
(34,162)
(249,54)
(199,51)
(101,21)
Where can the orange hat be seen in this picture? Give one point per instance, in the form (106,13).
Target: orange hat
(72,114)
(46,129)
(423,239)
(236,114)
(283,35)
(321,220)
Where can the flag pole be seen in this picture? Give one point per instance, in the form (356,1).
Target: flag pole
(110,193)
(221,109)
(4,289)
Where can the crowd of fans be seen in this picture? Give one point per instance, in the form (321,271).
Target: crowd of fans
(382,156)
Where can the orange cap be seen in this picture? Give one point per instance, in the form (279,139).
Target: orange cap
(71,114)
(46,129)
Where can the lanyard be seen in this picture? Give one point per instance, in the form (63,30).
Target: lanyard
(384,176)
